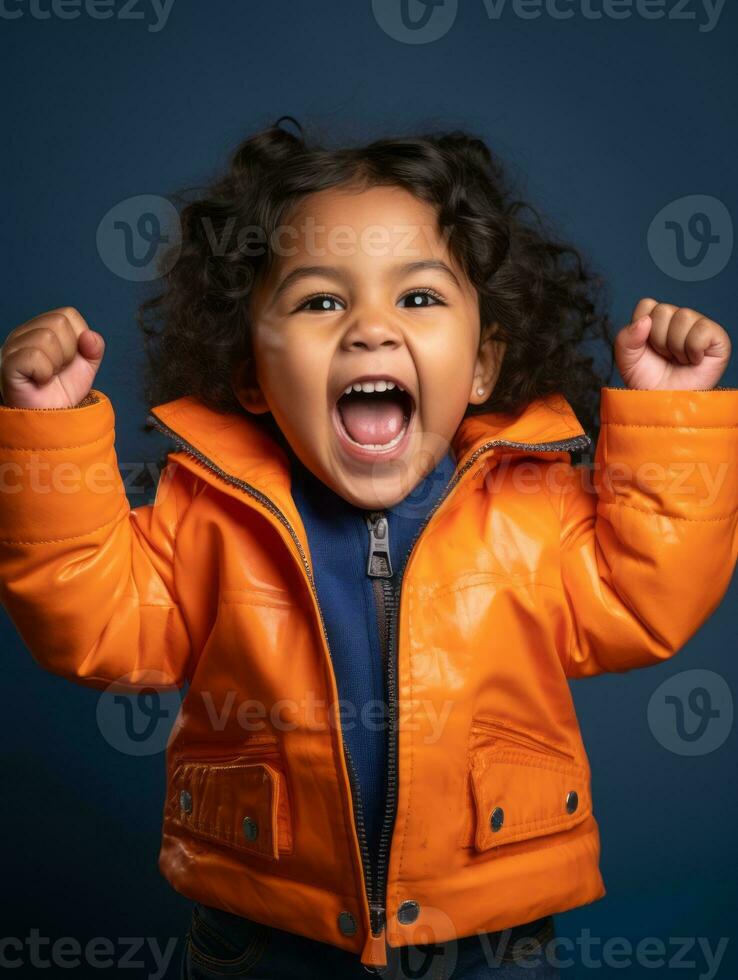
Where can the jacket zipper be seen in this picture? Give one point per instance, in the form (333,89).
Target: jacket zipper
(379,569)
(389,606)
(377,906)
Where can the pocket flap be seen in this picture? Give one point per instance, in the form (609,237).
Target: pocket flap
(238,803)
(520,793)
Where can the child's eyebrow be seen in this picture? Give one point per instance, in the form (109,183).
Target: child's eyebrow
(332,271)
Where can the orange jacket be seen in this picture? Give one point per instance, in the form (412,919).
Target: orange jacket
(522,577)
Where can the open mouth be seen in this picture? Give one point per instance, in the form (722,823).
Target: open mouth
(373,417)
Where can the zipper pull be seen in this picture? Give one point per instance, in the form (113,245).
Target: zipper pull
(379,564)
(376,917)
(374,953)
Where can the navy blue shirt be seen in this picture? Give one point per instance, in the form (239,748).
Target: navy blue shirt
(339,544)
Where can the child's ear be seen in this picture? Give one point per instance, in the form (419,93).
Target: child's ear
(247,391)
(487,367)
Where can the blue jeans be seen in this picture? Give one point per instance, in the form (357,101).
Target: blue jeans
(220,944)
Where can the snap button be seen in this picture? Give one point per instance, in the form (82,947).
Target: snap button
(496,818)
(347,923)
(572,801)
(408,912)
(250,828)
(185,801)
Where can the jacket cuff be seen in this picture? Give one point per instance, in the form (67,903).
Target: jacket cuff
(47,428)
(59,475)
(670,452)
(699,408)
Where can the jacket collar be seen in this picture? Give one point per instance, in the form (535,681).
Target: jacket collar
(243,448)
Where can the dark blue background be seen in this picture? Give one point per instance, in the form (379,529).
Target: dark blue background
(605,121)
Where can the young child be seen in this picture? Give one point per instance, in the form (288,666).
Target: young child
(371,555)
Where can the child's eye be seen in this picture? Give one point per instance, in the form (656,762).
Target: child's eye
(428,294)
(323,306)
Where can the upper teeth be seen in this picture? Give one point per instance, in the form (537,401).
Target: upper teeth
(368,386)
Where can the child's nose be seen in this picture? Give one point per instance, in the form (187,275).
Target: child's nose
(371,331)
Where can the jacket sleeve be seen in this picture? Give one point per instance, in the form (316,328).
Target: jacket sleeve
(87,581)
(649,536)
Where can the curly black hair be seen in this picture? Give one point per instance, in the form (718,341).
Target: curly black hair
(548,306)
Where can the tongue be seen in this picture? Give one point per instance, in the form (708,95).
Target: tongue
(371,420)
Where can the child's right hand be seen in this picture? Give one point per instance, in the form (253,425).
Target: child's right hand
(50,361)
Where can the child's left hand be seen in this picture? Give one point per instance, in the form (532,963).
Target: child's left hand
(668,347)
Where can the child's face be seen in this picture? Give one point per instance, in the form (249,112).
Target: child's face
(356,313)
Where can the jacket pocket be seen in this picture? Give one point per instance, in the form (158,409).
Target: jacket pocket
(240,800)
(519,786)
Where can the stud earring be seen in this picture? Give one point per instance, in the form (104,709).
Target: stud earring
(480,391)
